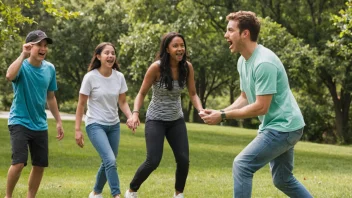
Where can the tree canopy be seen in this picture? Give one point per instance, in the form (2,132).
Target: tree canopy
(312,38)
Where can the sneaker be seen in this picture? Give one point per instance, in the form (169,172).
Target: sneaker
(180,195)
(129,194)
(92,195)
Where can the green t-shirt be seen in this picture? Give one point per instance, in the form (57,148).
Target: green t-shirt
(263,74)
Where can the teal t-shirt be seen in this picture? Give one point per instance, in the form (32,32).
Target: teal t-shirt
(263,74)
(30,87)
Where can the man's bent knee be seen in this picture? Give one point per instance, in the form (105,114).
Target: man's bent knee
(281,183)
(17,167)
(237,165)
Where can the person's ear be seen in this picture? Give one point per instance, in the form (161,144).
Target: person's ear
(246,33)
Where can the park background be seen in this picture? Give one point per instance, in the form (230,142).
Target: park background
(311,37)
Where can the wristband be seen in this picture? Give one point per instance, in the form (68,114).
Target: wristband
(135,111)
(223,115)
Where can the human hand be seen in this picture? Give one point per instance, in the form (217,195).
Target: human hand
(202,113)
(135,121)
(26,49)
(211,117)
(79,138)
(60,131)
(130,125)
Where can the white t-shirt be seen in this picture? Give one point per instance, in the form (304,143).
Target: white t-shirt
(103,95)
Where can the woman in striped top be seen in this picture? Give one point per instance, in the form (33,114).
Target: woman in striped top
(167,76)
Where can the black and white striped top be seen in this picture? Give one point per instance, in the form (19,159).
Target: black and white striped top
(165,105)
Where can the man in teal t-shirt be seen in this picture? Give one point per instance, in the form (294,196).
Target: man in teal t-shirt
(34,82)
(265,92)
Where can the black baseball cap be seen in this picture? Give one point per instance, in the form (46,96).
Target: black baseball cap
(36,36)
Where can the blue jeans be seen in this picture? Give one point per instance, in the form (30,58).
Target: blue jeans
(275,148)
(106,140)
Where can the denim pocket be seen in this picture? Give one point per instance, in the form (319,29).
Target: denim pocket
(294,136)
(267,136)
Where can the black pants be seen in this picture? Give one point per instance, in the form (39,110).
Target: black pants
(176,134)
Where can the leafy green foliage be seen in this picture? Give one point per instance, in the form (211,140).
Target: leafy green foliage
(17,18)
(340,84)
(11,16)
(315,51)
(77,38)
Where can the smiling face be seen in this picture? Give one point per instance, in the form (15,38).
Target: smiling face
(39,51)
(107,57)
(234,37)
(176,49)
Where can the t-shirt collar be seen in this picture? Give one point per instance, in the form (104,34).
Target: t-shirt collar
(254,54)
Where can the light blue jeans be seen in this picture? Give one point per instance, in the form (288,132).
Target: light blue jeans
(106,140)
(275,148)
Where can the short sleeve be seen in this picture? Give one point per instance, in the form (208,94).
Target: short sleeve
(239,68)
(18,75)
(123,84)
(52,84)
(266,79)
(86,86)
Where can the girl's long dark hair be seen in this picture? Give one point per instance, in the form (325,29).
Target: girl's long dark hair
(165,67)
(95,62)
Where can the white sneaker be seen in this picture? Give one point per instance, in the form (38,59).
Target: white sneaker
(179,195)
(129,194)
(91,195)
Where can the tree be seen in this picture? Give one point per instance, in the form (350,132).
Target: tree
(11,17)
(307,20)
(99,21)
(339,79)
(205,44)
(16,19)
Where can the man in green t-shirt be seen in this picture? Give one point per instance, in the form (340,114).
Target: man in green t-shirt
(265,92)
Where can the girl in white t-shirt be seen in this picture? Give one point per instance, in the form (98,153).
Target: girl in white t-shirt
(103,87)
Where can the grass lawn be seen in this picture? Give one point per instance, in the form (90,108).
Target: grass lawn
(326,170)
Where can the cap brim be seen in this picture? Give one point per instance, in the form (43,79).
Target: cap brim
(49,40)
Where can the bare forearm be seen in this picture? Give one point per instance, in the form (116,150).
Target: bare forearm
(138,102)
(240,102)
(249,111)
(125,109)
(79,116)
(259,107)
(13,69)
(196,102)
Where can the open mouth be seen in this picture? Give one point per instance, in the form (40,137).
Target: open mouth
(110,61)
(230,43)
(180,55)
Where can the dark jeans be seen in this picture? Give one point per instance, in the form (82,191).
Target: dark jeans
(176,134)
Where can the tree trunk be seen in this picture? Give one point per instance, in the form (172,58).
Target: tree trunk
(201,88)
(341,106)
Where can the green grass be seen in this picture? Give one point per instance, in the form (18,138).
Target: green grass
(325,170)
